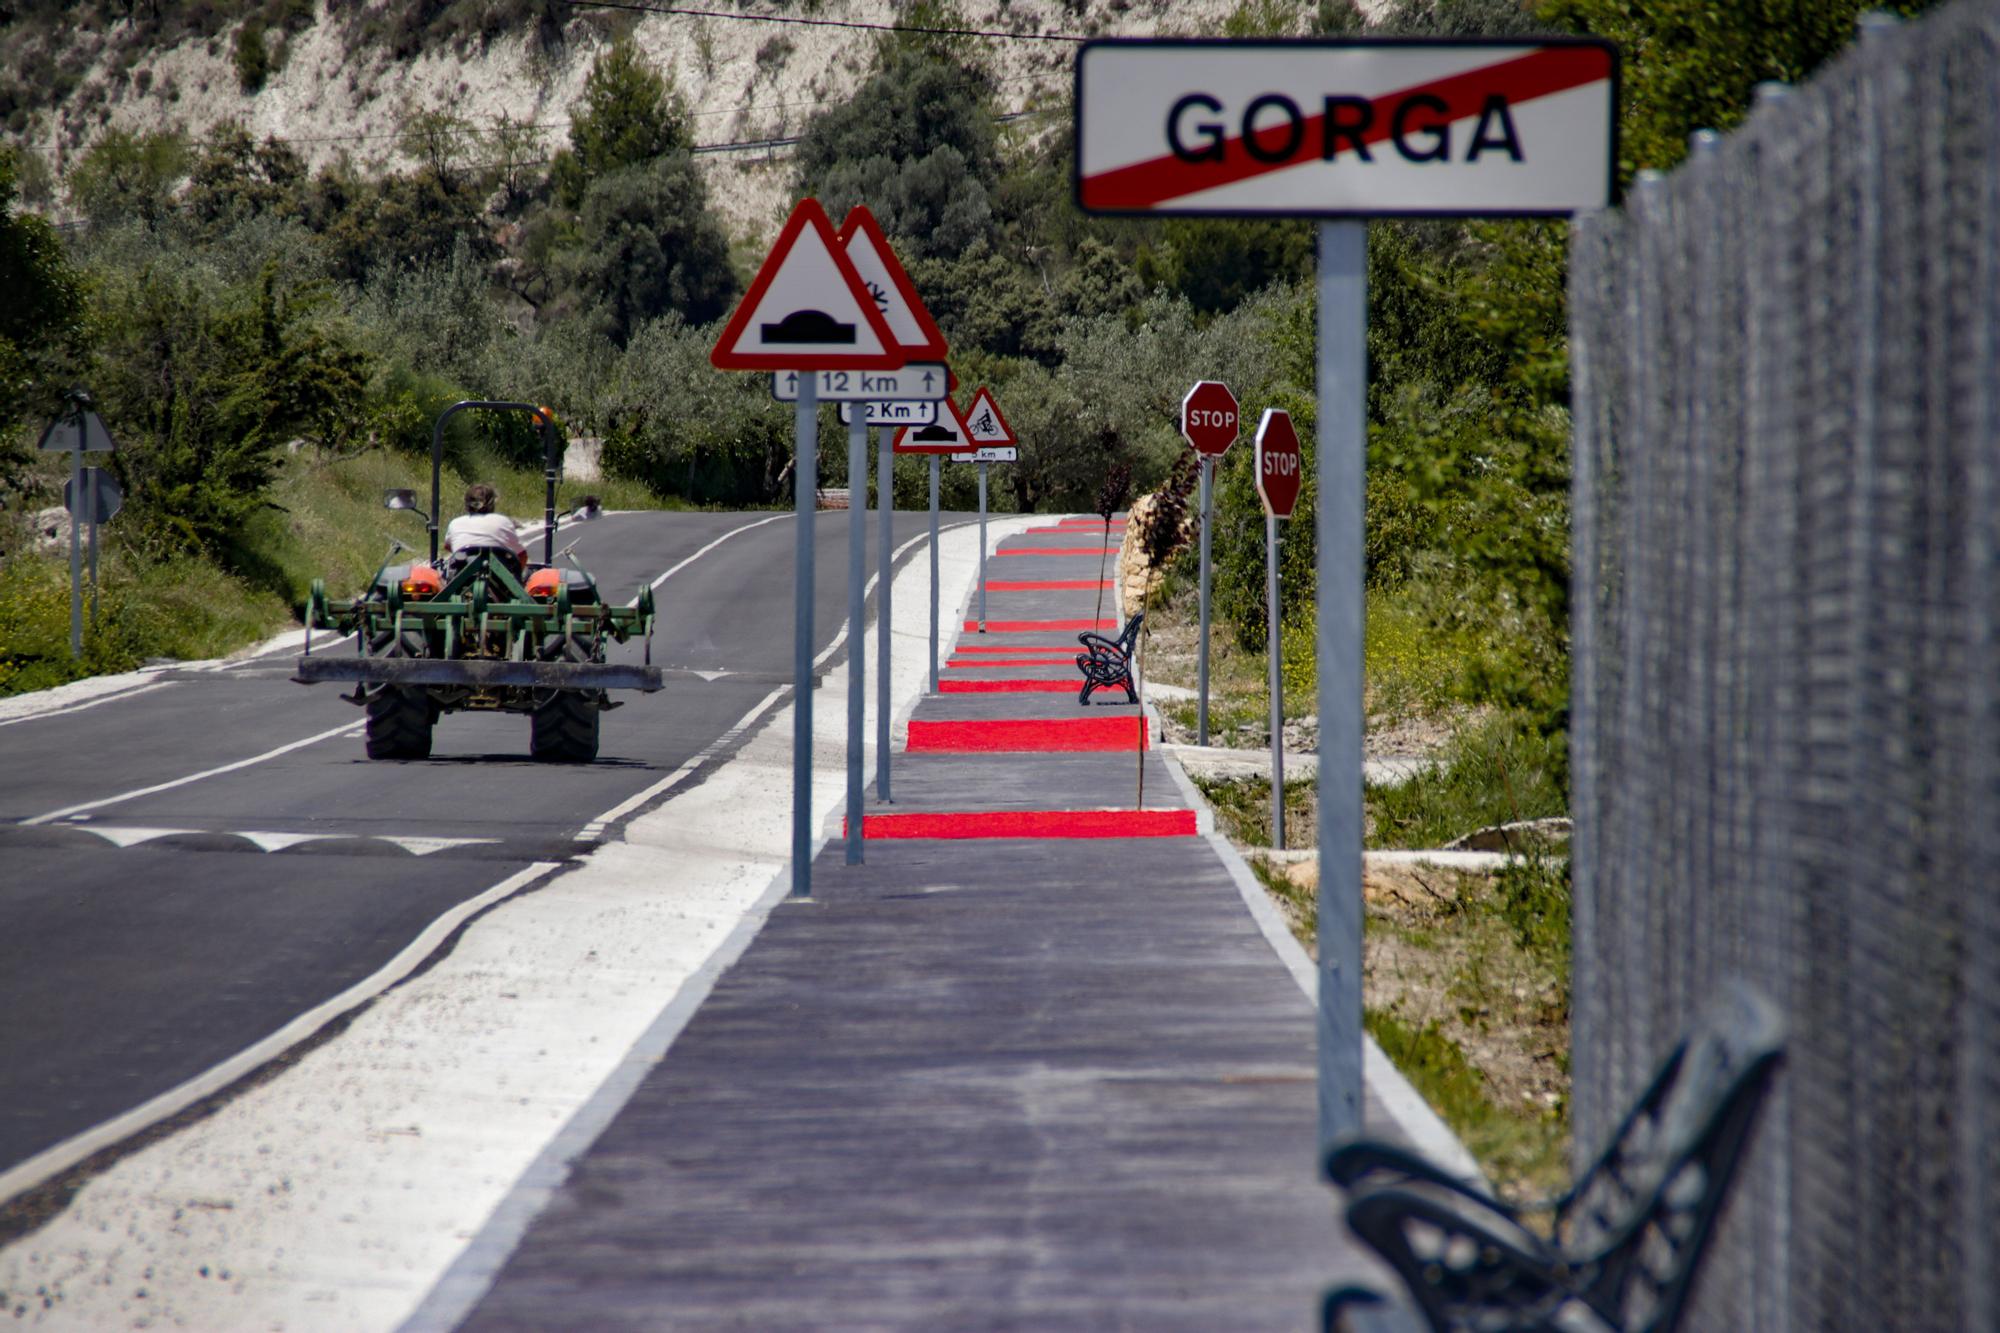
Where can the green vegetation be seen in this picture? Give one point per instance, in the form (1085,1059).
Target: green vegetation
(1493,772)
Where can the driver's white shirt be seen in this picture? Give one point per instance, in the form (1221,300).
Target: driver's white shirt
(488,530)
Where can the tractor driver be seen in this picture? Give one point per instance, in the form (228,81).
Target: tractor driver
(480,527)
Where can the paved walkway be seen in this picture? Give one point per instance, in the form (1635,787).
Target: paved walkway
(1047,1082)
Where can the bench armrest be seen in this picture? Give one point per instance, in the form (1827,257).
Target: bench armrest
(1366,1162)
(1100,646)
(1465,1264)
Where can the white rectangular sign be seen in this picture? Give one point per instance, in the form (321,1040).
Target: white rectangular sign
(996,454)
(1356,127)
(892,414)
(921,381)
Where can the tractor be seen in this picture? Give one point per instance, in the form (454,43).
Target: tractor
(474,633)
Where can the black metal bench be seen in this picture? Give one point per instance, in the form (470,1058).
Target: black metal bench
(1106,664)
(1621,1248)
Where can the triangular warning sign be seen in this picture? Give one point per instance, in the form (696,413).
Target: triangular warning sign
(807,308)
(946,435)
(895,295)
(983,421)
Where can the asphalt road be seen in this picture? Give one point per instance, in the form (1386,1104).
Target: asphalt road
(132,960)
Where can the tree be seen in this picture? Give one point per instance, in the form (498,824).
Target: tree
(127,176)
(41,321)
(627,118)
(916,144)
(648,246)
(235,178)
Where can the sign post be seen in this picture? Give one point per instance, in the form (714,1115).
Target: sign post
(1344,130)
(945,436)
(1208,423)
(1278,474)
(920,339)
(77,432)
(985,425)
(809,317)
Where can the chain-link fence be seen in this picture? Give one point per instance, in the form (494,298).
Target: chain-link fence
(1787,668)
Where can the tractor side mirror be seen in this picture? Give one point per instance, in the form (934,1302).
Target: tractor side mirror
(399,499)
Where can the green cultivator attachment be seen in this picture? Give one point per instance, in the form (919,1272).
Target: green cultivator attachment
(479,632)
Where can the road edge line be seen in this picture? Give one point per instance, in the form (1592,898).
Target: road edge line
(60,1157)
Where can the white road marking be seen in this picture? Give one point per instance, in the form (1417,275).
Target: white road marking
(36,707)
(710,547)
(53,1161)
(348,730)
(425,846)
(331,1211)
(594,830)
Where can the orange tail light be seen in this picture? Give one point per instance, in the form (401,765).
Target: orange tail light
(423,581)
(543,583)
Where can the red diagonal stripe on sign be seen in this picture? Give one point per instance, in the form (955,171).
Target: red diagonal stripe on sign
(1543,73)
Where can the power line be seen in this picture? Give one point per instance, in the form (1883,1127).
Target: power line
(802,21)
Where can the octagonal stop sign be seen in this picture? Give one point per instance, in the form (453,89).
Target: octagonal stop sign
(1208,418)
(1280,463)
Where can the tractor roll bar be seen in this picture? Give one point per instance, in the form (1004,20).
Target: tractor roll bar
(549,467)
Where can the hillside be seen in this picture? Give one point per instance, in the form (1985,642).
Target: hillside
(341,79)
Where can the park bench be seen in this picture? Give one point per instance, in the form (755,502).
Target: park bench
(1620,1250)
(1106,664)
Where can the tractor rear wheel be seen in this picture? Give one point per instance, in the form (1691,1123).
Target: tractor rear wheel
(399,720)
(566,727)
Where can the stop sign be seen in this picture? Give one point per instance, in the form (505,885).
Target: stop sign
(1280,465)
(1208,417)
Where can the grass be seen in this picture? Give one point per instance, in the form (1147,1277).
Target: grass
(327,521)
(1495,771)
(1243,808)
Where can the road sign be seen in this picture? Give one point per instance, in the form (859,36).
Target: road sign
(807,309)
(1280,463)
(1208,418)
(891,414)
(992,453)
(921,381)
(110,499)
(984,423)
(895,295)
(1361,126)
(946,435)
(62,436)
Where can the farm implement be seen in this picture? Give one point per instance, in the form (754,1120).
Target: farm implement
(475,632)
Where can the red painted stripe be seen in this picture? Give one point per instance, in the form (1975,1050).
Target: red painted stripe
(1017,685)
(1067,527)
(998,663)
(1037,626)
(1054,550)
(1013,648)
(1044,585)
(1029,735)
(1030,824)
(1148,184)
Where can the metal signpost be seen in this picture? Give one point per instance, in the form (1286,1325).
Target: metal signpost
(807,315)
(922,341)
(77,432)
(942,438)
(1208,423)
(1279,467)
(1343,130)
(987,427)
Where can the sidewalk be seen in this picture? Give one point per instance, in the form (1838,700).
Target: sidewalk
(1058,1081)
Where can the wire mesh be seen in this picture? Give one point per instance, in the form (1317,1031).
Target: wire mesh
(1786,711)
